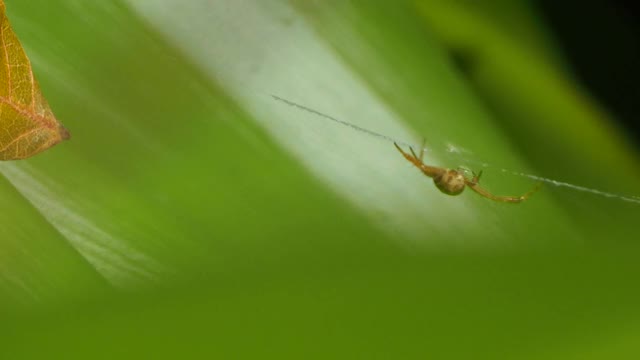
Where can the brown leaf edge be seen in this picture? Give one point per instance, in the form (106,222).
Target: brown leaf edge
(27,124)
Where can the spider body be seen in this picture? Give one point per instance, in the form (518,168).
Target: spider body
(453,182)
(450,182)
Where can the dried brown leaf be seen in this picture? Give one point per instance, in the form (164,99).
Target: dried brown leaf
(27,124)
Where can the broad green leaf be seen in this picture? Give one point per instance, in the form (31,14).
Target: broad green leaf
(223,222)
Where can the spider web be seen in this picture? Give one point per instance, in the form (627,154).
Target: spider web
(454,150)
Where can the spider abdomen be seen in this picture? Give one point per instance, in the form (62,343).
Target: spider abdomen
(450,182)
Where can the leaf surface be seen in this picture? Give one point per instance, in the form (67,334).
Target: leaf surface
(26,120)
(226,222)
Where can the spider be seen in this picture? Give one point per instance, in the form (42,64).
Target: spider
(453,182)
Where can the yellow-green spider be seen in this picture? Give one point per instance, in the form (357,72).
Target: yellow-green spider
(453,182)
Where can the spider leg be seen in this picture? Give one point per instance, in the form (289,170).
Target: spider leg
(429,171)
(411,159)
(476,177)
(414,154)
(473,184)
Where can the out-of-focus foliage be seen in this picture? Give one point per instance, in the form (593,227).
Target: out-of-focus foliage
(192,215)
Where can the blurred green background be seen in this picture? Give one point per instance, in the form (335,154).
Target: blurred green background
(192,215)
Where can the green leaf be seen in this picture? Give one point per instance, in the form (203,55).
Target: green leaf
(201,217)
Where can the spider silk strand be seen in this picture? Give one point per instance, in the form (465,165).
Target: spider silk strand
(630,199)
